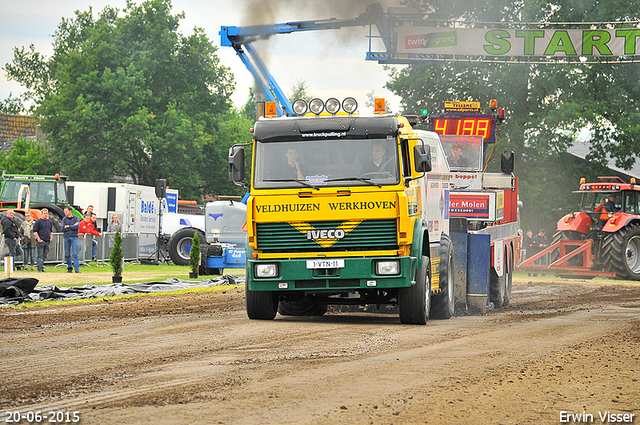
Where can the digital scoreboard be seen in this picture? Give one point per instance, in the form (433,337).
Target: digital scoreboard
(464,125)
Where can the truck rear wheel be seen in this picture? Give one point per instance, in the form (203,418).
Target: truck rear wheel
(414,302)
(622,252)
(509,281)
(443,304)
(498,286)
(180,245)
(261,305)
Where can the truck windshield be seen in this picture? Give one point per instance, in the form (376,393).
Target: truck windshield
(326,163)
(40,191)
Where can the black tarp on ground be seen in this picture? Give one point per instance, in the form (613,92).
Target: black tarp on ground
(14,291)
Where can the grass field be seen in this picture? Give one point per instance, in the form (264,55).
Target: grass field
(100,274)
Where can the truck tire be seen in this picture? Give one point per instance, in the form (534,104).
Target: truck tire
(443,304)
(301,308)
(180,245)
(414,302)
(509,281)
(261,305)
(56,222)
(207,250)
(621,252)
(498,286)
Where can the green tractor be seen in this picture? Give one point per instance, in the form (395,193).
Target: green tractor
(24,192)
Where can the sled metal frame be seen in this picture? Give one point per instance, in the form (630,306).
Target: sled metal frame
(561,266)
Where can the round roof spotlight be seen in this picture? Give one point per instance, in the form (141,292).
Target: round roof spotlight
(300,107)
(332,105)
(316,106)
(349,105)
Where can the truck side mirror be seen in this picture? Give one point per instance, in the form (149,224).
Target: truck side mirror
(422,157)
(506,162)
(236,164)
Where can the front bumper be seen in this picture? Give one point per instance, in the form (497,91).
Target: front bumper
(357,273)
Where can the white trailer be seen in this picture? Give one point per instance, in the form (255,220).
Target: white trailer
(137,206)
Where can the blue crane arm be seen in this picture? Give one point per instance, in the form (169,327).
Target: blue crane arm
(240,38)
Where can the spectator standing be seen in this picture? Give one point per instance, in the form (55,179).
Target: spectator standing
(85,231)
(43,232)
(70,227)
(528,244)
(11,234)
(539,242)
(28,241)
(114,226)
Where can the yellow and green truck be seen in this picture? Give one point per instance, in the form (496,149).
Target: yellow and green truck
(346,210)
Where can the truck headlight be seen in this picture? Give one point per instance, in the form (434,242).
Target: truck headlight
(266,270)
(387,267)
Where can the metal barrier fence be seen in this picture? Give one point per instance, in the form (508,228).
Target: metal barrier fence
(135,247)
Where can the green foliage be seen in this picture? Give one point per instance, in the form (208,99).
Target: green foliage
(300,91)
(249,109)
(548,106)
(234,129)
(194,253)
(129,95)
(28,157)
(11,105)
(116,256)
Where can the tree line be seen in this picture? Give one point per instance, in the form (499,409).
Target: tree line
(128,95)
(549,106)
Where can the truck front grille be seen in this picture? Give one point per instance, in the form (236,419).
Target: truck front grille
(367,235)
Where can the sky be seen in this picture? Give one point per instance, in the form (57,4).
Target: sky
(331,63)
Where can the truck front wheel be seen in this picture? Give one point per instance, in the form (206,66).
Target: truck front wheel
(261,305)
(443,304)
(414,302)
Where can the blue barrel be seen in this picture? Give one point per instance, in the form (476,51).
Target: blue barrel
(478,268)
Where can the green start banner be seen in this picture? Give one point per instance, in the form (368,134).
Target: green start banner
(519,42)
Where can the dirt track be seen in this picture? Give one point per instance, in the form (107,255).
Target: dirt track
(571,346)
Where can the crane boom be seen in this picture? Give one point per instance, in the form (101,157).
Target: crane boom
(240,38)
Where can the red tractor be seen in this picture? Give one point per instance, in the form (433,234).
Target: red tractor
(603,238)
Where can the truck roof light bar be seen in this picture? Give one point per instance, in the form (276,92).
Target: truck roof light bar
(316,106)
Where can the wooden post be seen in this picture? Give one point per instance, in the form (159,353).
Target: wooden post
(8,264)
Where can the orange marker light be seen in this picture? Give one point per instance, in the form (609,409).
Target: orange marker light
(270,109)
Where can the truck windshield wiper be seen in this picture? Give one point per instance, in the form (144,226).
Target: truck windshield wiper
(359,179)
(302,182)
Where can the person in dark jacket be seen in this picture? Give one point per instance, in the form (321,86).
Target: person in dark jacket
(538,243)
(28,241)
(11,233)
(43,231)
(70,226)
